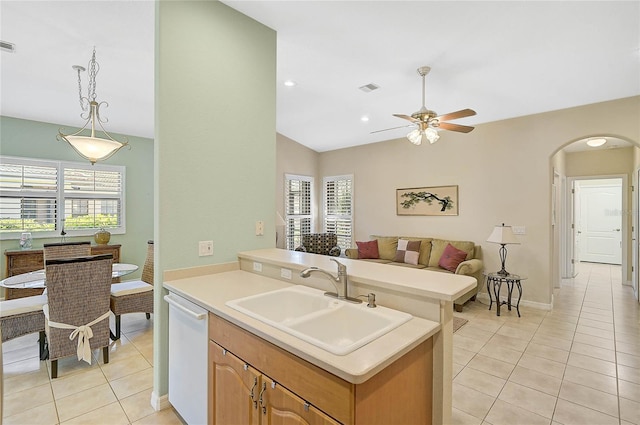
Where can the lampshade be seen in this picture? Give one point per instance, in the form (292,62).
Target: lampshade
(503,235)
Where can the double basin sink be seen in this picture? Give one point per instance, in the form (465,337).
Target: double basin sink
(334,325)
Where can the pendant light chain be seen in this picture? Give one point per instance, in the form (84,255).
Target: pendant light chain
(84,108)
(93,71)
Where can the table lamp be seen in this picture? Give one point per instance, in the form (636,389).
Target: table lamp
(503,235)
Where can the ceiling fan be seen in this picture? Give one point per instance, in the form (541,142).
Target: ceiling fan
(427,122)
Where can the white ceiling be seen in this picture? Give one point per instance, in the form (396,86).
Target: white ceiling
(502,59)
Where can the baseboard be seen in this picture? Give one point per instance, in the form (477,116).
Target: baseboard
(159,403)
(523,303)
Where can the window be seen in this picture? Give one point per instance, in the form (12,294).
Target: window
(297,208)
(338,208)
(45,197)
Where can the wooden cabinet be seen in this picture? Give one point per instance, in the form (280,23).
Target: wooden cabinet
(26,261)
(242,395)
(294,391)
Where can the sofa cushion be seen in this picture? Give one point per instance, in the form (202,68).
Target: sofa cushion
(378,260)
(425,248)
(407,252)
(411,266)
(387,246)
(451,257)
(368,249)
(438,246)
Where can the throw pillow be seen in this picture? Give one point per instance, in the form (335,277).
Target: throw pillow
(451,258)
(407,252)
(368,249)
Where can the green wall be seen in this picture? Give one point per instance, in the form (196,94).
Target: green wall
(215,133)
(35,139)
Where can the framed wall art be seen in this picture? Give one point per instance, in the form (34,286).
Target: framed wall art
(435,200)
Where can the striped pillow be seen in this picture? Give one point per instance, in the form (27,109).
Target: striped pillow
(407,252)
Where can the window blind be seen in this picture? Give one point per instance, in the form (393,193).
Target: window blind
(48,196)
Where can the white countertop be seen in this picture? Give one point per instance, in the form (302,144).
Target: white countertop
(213,290)
(431,284)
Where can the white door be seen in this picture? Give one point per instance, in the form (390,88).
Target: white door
(635,252)
(601,223)
(575,229)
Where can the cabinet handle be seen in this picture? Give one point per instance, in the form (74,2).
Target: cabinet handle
(252,395)
(306,406)
(224,351)
(264,407)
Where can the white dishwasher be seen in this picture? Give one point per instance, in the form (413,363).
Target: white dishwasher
(188,348)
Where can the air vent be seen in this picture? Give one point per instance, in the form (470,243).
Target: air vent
(7,47)
(369,87)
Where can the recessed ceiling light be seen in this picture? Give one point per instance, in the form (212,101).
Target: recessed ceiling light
(7,47)
(290,83)
(367,88)
(594,143)
(364,118)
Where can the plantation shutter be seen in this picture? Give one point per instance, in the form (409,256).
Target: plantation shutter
(93,198)
(338,208)
(28,197)
(297,208)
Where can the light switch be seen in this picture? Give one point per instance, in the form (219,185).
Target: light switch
(205,248)
(519,230)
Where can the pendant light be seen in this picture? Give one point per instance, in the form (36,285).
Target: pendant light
(90,146)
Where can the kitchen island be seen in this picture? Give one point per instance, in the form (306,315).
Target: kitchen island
(423,342)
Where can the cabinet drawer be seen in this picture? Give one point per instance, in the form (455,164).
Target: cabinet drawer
(24,263)
(327,392)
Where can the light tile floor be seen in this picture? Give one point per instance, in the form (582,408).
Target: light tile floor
(578,364)
(115,393)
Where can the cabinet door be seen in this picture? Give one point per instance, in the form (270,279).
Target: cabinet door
(279,406)
(235,389)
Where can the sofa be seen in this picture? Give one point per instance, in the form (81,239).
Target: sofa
(463,257)
(320,243)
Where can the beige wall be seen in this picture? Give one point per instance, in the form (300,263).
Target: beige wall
(293,158)
(600,162)
(504,173)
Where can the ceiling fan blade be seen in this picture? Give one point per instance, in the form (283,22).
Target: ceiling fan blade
(406,117)
(393,128)
(455,127)
(458,114)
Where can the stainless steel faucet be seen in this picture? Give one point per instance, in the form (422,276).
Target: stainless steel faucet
(340,281)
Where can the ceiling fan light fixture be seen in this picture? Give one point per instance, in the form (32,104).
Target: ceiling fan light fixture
(431,134)
(415,137)
(594,143)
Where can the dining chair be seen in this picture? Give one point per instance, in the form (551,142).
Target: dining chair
(53,251)
(77,312)
(134,296)
(22,316)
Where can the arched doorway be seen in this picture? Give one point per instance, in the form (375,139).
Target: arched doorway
(575,164)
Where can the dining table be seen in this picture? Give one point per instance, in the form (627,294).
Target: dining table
(37,279)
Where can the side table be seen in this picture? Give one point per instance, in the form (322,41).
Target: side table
(495,280)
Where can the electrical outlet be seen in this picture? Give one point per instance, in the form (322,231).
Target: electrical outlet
(285,273)
(519,230)
(259,228)
(205,248)
(257,267)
